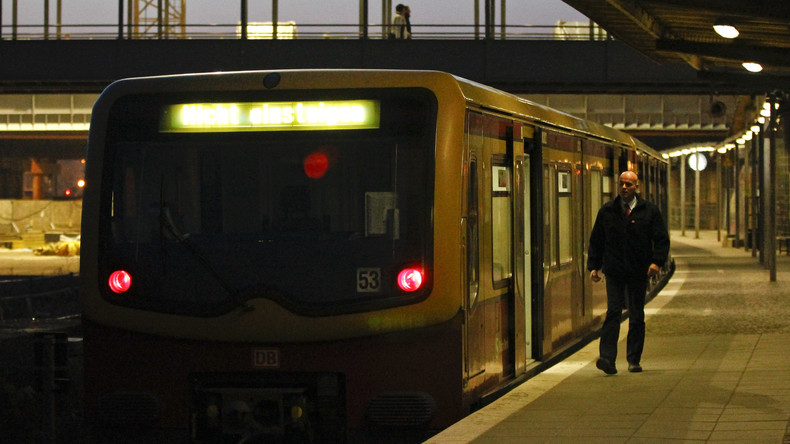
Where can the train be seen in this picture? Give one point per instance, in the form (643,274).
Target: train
(330,256)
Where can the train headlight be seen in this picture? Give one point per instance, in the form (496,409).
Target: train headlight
(120,281)
(410,279)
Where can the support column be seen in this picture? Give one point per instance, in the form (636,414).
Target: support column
(696,197)
(755,195)
(243,21)
(363,19)
(276,18)
(736,164)
(683,195)
(771,223)
(719,206)
(503,21)
(763,195)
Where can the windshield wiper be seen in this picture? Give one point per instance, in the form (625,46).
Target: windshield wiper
(166,222)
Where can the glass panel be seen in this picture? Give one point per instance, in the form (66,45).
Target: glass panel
(549,205)
(317,220)
(596,190)
(472,236)
(501,220)
(565,234)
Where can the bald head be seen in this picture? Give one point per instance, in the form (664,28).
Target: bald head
(628,185)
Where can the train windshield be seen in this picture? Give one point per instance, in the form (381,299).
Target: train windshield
(320,220)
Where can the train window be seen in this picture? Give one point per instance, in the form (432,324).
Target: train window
(549,206)
(596,190)
(501,220)
(564,217)
(472,235)
(606,185)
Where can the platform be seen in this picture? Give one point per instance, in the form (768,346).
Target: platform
(716,367)
(24,262)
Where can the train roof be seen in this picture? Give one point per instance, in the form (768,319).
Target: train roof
(492,98)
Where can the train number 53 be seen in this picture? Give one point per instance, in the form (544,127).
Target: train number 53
(368,280)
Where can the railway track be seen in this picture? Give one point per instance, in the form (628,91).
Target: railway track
(34,304)
(40,359)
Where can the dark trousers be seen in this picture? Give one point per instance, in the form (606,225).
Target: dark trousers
(622,291)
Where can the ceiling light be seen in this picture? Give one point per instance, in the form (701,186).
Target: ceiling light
(726,30)
(752,67)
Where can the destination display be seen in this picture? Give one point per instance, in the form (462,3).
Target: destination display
(271,116)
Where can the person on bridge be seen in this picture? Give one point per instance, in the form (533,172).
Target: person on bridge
(401,26)
(629,243)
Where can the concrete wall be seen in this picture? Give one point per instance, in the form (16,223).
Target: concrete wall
(40,216)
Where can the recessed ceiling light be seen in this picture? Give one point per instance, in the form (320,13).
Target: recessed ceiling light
(726,30)
(752,67)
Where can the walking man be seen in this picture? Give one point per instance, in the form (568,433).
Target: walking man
(628,244)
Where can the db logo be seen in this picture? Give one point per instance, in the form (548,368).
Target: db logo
(266,358)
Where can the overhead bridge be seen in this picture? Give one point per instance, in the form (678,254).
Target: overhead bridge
(518,66)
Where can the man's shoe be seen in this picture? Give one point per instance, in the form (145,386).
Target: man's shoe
(634,368)
(606,365)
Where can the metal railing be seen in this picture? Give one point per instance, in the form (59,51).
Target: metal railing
(307,31)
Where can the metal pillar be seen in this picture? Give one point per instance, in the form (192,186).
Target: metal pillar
(276,18)
(46,19)
(771,223)
(490,16)
(120,19)
(736,163)
(503,21)
(763,194)
(477,19)
(386,17)
(753,220)
(14,18)
(696,197)
(719,206)
(244,19)
(668,210)
(59,18)
(683,195)
(363,19)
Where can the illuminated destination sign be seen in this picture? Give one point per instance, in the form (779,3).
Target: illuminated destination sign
(271,116)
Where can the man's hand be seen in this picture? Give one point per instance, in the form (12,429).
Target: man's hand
(653,270)
(594,276)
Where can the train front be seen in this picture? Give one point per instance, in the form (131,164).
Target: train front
(258,259)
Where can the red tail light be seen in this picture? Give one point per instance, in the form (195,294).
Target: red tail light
(120,281)
(410,279)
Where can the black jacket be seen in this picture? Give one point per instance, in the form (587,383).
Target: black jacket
(625,246)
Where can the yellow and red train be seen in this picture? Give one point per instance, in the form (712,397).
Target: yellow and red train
(332,255)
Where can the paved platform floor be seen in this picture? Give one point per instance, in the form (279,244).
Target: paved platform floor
(716,367)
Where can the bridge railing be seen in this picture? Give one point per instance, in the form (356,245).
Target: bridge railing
(302,31)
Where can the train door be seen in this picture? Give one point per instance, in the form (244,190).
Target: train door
(474,322)
(496,287)
(522,226)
